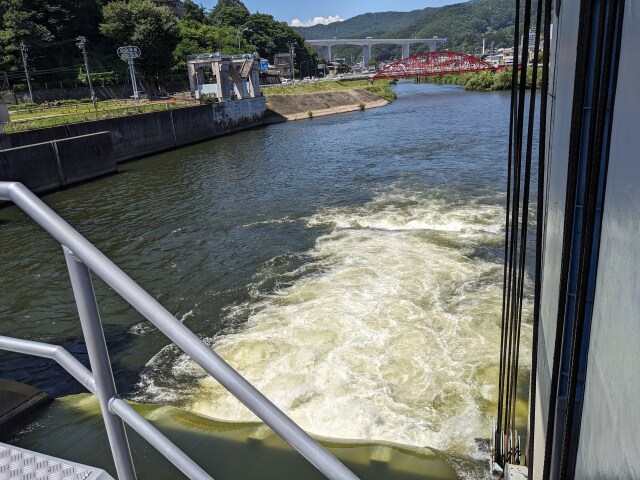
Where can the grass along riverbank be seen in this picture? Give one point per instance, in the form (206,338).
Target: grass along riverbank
(381,88)
(40,116)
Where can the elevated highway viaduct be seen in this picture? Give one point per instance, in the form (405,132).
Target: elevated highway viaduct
(366,44)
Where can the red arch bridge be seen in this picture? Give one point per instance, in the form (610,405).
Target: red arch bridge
(434,63)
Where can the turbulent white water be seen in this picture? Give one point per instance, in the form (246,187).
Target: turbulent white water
(390,331)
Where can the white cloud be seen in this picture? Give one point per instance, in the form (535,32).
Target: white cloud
(316,21)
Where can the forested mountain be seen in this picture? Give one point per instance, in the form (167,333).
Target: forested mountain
(362,26)
(464,24)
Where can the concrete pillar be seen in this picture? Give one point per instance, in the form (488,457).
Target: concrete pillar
(433,47)
(192,77)
(199,75)
(254,79)
(405,50)
(326,53)
(221,69)
(366,54)
(4,113)
(239,83)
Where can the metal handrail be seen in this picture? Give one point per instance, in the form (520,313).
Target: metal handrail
(82,258)
(117,406)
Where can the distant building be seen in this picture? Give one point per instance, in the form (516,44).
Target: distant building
(282,63)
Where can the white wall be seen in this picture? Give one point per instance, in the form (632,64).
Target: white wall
(610,432)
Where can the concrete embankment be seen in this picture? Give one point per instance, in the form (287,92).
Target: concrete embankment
(51,158)
(139,135)
(48,166)
(282,108)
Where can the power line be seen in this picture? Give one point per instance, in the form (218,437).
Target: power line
(32,73)
(49,44)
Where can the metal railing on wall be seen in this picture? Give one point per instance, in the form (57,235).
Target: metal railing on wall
(80,113)
(83,259)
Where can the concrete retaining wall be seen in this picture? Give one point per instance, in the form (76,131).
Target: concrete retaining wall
(139,135)
(294,106)
(48,166)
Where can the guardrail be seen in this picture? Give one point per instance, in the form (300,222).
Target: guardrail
(82,259)
(64,115)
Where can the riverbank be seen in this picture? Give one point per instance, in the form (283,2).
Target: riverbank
(282,108)
(483,81)
(295,102)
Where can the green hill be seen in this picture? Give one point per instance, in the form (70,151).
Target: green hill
(464,24)
(361,26)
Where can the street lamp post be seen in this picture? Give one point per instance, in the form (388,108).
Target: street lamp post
(129,53)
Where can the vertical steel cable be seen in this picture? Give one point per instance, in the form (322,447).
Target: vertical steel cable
(518,279)
(507,269)
(516,232)
(527,182)
(539,219)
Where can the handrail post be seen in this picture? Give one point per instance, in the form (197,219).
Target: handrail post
(100,363)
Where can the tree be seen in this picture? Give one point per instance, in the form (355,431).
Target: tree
(271,37)
(18,22)
(197,38)
(153,29)
(229,12)
(193,11)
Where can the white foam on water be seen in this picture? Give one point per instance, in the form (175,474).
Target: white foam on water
(394,336)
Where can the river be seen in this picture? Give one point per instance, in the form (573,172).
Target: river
(349,266)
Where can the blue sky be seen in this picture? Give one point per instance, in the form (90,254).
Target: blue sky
(327,10)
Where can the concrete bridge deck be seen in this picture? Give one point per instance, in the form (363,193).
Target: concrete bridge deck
(366,44)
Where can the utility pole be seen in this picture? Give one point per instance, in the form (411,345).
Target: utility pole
(82,45)
(292,53)
(25,55)
(5,85)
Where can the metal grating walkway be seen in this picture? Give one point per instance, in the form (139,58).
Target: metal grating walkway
(19,464)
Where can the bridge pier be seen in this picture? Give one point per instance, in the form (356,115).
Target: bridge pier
(366,54)
(406,49)
(433,47)
(326,53)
